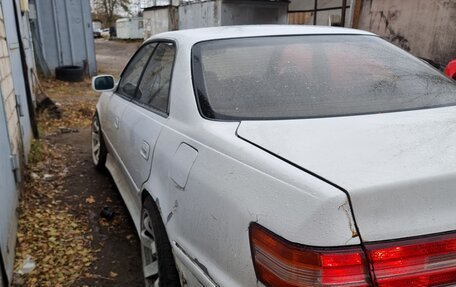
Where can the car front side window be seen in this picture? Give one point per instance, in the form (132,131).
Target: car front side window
(154,87)
(131,75)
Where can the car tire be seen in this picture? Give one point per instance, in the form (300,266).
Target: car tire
(69,73)
(99,151)
(159,268)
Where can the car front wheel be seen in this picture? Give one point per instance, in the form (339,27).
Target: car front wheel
(98,146)
(158,262)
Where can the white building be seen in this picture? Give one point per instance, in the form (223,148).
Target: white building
(130,28)
(96,25)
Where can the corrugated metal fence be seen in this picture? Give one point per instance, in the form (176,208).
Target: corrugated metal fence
(63,34)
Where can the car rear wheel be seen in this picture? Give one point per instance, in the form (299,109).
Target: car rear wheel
(98,146)
(159,267)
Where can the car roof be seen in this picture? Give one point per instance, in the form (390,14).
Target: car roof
(191,36)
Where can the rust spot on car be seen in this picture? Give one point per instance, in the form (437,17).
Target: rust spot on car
(346,208)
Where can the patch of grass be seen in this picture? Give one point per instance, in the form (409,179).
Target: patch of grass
(36,152)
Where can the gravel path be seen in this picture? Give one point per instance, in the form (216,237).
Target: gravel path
(112,56)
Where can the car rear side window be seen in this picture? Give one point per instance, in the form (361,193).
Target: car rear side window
(154,88)
(132,73)
(312,76)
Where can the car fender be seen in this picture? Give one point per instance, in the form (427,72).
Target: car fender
(227,189)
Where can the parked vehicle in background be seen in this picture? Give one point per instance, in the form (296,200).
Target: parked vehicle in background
(105,33)
(97,33)
(283,156)
(450,70)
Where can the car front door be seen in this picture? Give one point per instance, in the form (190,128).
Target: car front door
(118,101)
(145,115)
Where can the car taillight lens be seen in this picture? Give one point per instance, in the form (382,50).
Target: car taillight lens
(280,263)
(420,262)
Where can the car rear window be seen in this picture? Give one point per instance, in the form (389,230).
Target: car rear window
(312,76)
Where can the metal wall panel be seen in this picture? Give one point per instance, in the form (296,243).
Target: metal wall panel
(8,198)
(65,33)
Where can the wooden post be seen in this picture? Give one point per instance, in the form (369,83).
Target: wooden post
(344,9)
(356,13)
(315,11)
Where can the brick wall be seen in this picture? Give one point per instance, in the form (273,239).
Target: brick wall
(7,89)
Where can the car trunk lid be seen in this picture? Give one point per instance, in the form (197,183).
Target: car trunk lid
(399,169)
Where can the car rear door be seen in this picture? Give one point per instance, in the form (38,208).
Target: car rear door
(146,114)
(111,123)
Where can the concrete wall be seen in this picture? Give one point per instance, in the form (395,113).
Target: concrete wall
(254,12)
(199,14)
(160,20)
(10,145)
(425,28)
(196,14)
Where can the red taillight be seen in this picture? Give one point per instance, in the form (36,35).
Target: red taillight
(420,262)
(280,263)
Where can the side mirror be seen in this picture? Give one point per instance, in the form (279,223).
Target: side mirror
(103,83)
(450,70)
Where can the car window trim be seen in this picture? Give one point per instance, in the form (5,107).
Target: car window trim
(117,92)
(134,99)
(135,95)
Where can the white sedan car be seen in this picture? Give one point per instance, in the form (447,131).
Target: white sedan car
(283,156)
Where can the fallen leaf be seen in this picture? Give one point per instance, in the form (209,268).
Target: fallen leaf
(90,200)
(113,274)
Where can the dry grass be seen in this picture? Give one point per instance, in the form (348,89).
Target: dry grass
(76,101)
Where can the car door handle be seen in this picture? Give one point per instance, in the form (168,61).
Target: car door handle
(116,122)
(145,149)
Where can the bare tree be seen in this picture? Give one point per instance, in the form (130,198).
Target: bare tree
(108,10)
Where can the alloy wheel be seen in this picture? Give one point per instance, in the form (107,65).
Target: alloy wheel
(96,141)
(149,252)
